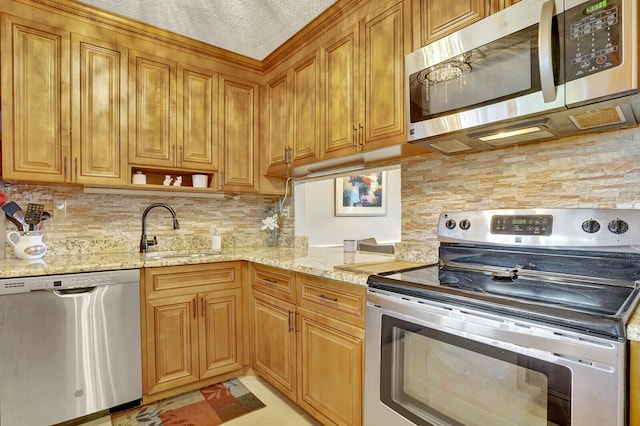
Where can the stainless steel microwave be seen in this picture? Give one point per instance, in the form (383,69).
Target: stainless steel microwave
(540,69)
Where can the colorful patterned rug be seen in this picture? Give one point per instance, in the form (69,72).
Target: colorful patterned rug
(211,405)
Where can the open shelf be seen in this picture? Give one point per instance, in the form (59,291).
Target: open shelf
(155,179)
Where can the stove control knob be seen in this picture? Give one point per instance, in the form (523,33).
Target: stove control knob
(450,224)
(590,226)
(618,226)
(465,224)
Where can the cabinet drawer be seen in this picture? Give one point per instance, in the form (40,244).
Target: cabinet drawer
(274,281)
(333,298)
(188,279)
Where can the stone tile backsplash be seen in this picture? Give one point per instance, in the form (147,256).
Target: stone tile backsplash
(600,170)
(113,222)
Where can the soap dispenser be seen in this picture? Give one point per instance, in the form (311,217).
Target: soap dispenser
(216,243)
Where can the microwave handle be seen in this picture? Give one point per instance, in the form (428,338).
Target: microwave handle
(545,56)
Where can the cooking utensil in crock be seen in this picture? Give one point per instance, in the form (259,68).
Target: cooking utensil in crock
(14,213)
(33,216)
(45,216)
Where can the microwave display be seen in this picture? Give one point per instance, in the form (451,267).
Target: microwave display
(593,41)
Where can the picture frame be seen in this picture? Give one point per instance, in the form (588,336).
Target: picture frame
(361,195)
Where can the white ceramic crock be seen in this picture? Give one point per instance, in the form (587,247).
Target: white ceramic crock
(27,245)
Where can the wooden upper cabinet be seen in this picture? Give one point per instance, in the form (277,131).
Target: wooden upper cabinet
(152,136)
(384,43)
(440,18)
(66,106)
(99,111)
(363,96)
(175,116)
(340,70)
(434,19)
(278,123)
(36,101)
(239,118)
(305,110)
(197,129)
(498,5)
(294,116)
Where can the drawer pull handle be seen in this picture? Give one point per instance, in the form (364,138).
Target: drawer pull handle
(333,299)
(289,321)
(269,280)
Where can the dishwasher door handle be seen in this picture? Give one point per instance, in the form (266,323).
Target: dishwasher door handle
(72,292)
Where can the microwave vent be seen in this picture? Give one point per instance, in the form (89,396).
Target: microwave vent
(598,118)
(450,146)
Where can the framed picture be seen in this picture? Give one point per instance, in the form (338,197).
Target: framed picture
(362,195)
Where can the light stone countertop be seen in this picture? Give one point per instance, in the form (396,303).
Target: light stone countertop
(633,328)
(319,261)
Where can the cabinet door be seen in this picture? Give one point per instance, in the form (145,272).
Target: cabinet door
(305,111)
(220,332)
(172,342)
(35,101)
(634,383)
(339,67)
(239,109)
(383,45)
(498,5)
(278,122)
(197,125)
(274,342)
(152,92)
(330,369)
(99,106)
(445,17)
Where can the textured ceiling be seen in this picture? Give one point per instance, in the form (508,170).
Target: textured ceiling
(252,28)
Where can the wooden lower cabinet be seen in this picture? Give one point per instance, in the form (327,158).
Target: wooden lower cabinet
(192,326)
(634,383)
(274,343)
(312,350)
(330,367)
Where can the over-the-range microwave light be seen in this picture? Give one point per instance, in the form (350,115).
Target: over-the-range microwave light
(511,133)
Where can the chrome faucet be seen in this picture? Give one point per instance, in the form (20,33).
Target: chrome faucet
(144,242)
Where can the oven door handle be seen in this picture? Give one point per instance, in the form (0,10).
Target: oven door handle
(486,328)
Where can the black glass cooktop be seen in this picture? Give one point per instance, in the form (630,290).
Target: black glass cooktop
(592,293)
(582,296)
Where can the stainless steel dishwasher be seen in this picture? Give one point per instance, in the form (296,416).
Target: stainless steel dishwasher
(70,346)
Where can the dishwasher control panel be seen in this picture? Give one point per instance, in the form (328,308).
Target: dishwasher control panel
(81,280)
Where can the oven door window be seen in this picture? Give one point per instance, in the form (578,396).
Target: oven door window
(436,378)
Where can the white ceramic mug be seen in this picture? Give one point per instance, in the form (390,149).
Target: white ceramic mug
(199,181)
(27,245)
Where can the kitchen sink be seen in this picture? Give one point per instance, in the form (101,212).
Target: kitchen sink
(160,255)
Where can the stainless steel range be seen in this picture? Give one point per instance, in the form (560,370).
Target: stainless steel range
(521,322)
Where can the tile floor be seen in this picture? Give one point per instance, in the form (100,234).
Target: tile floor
(279,410)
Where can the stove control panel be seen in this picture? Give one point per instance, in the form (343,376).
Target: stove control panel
(522,224)
(573,228)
